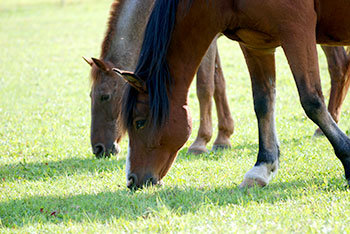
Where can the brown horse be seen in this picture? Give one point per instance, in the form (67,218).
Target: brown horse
(155,110)
(121,48)
(125,42)
(339,70)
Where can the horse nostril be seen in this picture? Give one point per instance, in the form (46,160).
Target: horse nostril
(99,150)
(149,180)
(132,182)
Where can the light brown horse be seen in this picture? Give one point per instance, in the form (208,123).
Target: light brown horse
(339,70)
(121,48)
(155,109)
(125,42)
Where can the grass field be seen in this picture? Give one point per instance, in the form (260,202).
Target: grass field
(51,183)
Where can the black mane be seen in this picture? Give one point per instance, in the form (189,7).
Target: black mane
(152,65)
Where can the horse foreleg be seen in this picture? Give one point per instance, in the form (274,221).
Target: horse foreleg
(205,92)
(338,63)
(299,45)
(261,65)
(225,121)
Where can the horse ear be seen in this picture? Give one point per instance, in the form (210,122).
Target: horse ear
(100,64)
(89,61)
(133,79)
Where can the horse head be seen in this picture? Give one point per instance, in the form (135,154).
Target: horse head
(152,147)
(106,92)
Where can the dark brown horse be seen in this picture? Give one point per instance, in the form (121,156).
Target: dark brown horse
(121,48)
(155,110)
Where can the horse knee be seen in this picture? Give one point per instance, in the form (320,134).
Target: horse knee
(205,133)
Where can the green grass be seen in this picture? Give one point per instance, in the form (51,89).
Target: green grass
(51,182)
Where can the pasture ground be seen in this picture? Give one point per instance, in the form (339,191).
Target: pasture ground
(51,183)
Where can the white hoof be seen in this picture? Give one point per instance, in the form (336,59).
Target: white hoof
(259,175)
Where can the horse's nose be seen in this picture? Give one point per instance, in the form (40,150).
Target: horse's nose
(135,183)
(98,150)
(132,181)
(149,180)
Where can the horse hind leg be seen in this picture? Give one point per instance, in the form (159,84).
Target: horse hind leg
(225,121)
(299,45)
(339,71)
(261,65)
(205,92)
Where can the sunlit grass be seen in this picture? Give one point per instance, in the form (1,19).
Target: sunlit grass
(51,182)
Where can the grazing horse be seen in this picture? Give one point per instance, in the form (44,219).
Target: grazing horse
(120,47)
(155,106)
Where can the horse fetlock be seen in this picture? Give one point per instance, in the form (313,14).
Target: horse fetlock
(259,175)
(199,146)
(204,135)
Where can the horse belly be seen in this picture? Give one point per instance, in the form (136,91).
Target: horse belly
(333,35)
(252,38)
(333,22)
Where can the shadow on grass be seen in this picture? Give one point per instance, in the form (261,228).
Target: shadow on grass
(53,169)
(70,166)
(104,206)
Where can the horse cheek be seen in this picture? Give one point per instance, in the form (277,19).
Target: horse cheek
(182,126)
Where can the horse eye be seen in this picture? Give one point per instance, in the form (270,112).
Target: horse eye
(140,124)
(105,97)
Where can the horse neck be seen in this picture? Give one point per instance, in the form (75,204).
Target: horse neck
(183,67)
(190,41)
(123,39)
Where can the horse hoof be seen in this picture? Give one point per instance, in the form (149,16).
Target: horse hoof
(260,175)
(249,182)
(318,133)
(197,150)
(219,147)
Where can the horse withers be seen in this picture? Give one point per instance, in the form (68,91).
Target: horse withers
(157,118)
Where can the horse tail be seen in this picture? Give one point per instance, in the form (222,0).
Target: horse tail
(152,65)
